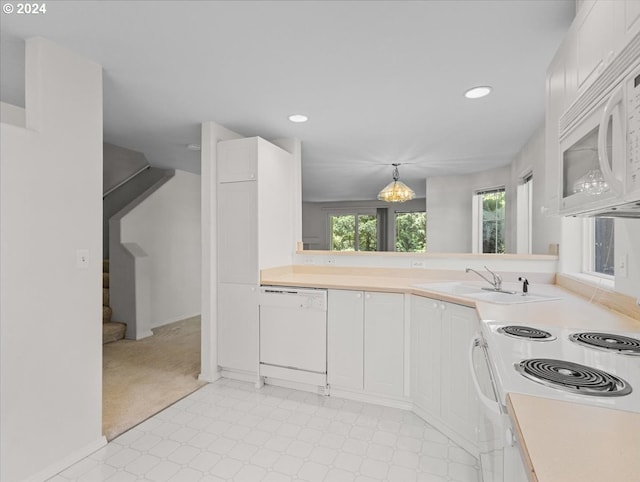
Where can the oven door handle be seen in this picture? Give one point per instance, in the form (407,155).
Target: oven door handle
(491,405)
(603,157)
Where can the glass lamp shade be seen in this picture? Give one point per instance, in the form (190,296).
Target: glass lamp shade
(396,192)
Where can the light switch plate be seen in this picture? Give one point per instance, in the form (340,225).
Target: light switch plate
(621,269)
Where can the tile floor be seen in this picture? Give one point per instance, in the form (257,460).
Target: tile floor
(228,431)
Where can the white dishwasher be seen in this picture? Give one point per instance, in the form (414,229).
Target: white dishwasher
(293,334)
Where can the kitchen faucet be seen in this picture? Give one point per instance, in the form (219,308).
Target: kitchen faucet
(496,283)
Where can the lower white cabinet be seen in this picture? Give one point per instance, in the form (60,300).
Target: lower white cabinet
(345,339)
(238,326)
(426,340)
(365,342)
(441,383)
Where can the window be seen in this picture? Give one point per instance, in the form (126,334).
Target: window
(600,252)
(353,232)
(524,215)
(411,232)
(488,220)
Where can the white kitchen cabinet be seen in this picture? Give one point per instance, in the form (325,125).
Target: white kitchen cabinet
(426,336)
(441,382)
(366,342)
(602,29)
(254,231)
(238,326)
(345,339)
(384,343)
(596,32)
(631,19)
(561,92)
(458,398)
(238,160)
(238,232)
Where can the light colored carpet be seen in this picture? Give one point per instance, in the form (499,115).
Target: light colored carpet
(141,378)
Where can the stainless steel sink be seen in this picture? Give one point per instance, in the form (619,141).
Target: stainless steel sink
(476,292)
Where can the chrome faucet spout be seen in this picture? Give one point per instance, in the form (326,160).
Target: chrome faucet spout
(497,279)
(496,283)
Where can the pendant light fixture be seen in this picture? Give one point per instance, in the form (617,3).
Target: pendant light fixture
(396,191)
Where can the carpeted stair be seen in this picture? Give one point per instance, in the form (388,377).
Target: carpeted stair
(111,330)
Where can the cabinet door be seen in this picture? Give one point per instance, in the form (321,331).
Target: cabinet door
(459,401)
(596,40)
(345,339)
(238,232)
(238,160)
(555,105)
(631,20)
(238,326)
(384,343)
(425,353)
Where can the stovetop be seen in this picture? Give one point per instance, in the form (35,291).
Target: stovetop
(600,377)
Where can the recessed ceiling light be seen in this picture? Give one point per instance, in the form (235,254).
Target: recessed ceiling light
(298,118)
(477,92)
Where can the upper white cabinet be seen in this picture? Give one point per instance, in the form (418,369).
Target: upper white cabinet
(602,28)
(631,16)
(561,91)
(595,39)
(255,209)
(254,231)
(238,160)
(365,343)
(441,383)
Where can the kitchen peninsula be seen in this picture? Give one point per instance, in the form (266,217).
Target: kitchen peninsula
(540,443)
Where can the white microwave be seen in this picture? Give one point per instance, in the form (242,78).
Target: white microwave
(600,150)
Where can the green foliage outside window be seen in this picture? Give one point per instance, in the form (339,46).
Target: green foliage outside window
(493,215)
(343,232)
(411,229)
(367,233)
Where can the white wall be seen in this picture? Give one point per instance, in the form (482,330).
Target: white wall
(449,211)
(546,229)
(211,134)
(627,250)
(166,226)
(50,309)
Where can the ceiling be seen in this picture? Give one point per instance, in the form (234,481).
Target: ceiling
(381,81)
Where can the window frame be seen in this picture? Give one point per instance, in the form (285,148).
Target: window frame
(589,251)
(524,214)
(476,217)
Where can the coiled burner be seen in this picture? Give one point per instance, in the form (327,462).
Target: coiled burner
(527,332)
(608,341)
(573,377)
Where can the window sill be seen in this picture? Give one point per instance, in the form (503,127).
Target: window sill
(595,280)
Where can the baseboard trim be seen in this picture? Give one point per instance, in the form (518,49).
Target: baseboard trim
(374,399)
(240,375)
(68,461)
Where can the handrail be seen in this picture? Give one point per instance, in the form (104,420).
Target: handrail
(121,183)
